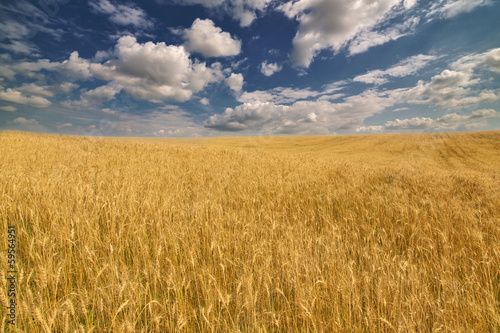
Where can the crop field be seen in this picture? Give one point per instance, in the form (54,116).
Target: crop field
(366,233)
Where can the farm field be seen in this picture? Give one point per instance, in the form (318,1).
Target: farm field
(366,233)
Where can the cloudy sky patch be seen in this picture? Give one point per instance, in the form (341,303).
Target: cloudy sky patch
(249,67)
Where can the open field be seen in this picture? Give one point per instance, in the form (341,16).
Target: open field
(375,233)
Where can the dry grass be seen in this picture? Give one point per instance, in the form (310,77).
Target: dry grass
(382,233)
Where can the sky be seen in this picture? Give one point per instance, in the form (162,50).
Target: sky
(189,68)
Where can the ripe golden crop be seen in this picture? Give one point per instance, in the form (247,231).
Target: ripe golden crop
(375,233)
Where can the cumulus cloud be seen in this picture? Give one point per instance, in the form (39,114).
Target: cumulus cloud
(7,108)
(454,87)
(269,69)
(235,82)
(205,101)
(28,124)
(243,117)
(15,96)
(149,71)
(331,24)
(451,121)
(356,26)
(122,14)
(205,38)
(33,89)
(369,129)
(98,95)
(405,67)
(64,88)
(155,71)
(304,116)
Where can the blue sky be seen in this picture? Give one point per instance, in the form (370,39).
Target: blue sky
(249,67)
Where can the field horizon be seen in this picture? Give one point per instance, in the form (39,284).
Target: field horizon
(360,233)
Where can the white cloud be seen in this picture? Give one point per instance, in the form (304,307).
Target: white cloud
(359,25)
(244,117)
(24,20)
(451,121)
(64,88)
(269,69)
(149,71)
(405,67)
(205,101)
(235,82)
(369,38)
(74,68)
(278,95)
(453,88)
(8,108)
(28,124)
(449,90)
(20,47)
(413,123)
(98,95)
(33,89)
(155,71)
(123,14)
(205,38)
(492,60)
(331,23)
(14,96)
(369,129)
(302,117)
(451,8)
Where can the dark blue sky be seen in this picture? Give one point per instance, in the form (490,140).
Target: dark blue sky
(249,67)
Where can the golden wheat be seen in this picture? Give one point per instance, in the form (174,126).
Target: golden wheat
(376,233)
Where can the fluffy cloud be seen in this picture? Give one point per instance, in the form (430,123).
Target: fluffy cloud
(269,69)
(304,116)
(406,67)
(244,117)
(356,26)
(15,96)
(122,14)
(369,129)
(98,95)
(155,71)
(235,82)
(451,121)
(331,23)
(28,124)
(453,88)
(205,101)
(149,71)
(8,108)
(33,89)
(492,60)
(205,38)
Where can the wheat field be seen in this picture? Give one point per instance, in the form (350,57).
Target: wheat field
(367,233)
